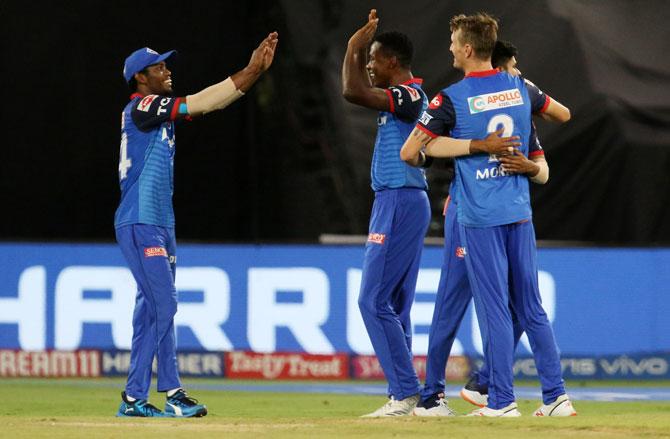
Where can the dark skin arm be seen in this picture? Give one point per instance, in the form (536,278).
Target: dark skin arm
(517,163)
(260,61)
(356,85)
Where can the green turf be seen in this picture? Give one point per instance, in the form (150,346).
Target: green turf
(86,408)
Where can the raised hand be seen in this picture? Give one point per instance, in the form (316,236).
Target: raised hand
(362,37)
(262,57)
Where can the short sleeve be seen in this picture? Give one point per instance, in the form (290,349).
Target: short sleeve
(539,101)
(405,102)
(153,110)
(440,117)
(534,147)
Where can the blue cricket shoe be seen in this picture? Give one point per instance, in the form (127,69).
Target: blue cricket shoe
(180,405)
(138,408)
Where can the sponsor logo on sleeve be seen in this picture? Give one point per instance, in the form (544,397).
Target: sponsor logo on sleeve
(163,103)
(145,103)
(493,101)
(460,252)
(150,252)
(413,93)
(436,102)
(377,238)
(425,118)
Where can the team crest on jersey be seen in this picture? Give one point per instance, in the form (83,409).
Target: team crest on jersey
(436,102)
(460,252)
(145,103)
(150,252)
(413,92)
(493,101)
(377,238)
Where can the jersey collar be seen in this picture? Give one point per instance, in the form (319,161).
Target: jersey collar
(413,81)
(482,73)
(135,95)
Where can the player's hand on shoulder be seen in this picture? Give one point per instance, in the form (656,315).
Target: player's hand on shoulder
(362,37)
(262,57)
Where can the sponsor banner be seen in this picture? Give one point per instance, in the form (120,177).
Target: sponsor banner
(625,367)
(274,298)
(191,364)
(49,364)
(251,365)
(367,367)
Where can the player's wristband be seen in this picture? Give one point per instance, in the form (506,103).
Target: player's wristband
(543,175)
(215,97)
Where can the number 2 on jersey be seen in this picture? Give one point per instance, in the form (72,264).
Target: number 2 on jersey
(508,128)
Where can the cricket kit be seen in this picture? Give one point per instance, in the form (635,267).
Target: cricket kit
(398,224)
(454,296)
(144,223)
(494,225)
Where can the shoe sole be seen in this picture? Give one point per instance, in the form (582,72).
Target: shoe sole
(468,399)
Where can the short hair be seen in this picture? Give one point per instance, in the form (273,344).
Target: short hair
(479,30)
(396,44)
(503,52)
(132,84)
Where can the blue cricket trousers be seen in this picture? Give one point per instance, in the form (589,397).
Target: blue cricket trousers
(398,226)
(150,252)
(501,263)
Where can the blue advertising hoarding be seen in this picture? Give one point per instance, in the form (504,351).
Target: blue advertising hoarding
(303,299)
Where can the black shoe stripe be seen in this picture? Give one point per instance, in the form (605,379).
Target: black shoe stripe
(559,404)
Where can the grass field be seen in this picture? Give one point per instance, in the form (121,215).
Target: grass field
(78,409)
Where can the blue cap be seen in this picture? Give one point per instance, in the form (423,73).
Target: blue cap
(141,59)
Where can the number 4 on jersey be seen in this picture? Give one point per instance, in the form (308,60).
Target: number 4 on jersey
(124,162)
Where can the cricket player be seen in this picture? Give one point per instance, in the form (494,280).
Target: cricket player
(401,211)
(145,222)
(493,210)
(454,295)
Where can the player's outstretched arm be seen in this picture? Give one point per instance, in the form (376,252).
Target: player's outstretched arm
(219,96)
(356,85)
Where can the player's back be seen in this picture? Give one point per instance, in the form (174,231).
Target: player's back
(407,101)
(483,103)
(146,162)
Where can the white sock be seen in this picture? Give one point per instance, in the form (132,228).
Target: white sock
(173,391)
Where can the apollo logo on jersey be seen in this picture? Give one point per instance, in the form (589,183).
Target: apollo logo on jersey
(494,101)
(145,103)
(376,238)
(155,251)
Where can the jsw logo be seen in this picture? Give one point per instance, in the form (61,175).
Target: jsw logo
(493,172)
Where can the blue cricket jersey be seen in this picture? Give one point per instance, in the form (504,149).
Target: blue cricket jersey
(472,108)
(407,101)
(146,161)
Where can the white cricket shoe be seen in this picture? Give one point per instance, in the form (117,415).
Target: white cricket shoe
(474,397)
(474,393)
(436,405)
(395,407)
(561,407)
(511,411)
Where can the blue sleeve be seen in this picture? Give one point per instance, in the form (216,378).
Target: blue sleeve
(539,101)
(534,147)
(153,110)
(405,102)
(440,117)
